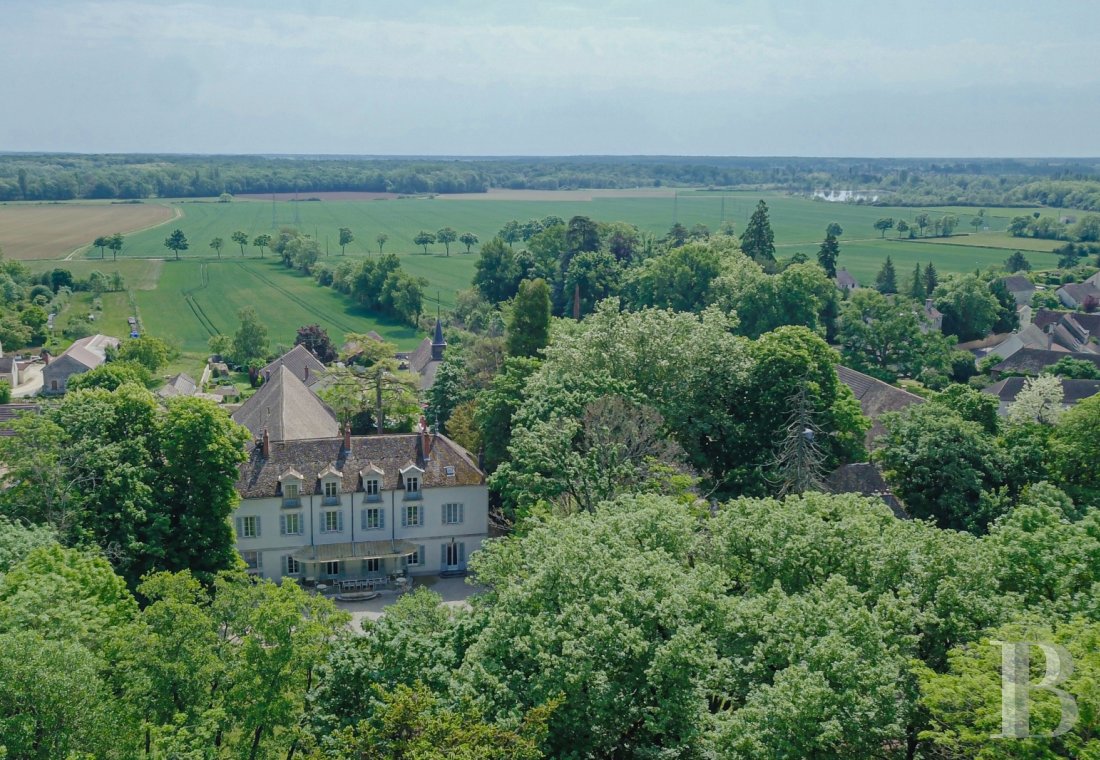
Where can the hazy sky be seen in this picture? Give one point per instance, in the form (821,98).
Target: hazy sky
(809,77)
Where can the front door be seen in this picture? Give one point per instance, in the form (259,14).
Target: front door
(454,556)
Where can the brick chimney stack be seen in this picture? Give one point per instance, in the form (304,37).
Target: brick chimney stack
(266,444)
(305,379)
(425,439)
(347,438)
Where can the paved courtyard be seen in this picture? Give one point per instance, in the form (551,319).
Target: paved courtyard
(454,591)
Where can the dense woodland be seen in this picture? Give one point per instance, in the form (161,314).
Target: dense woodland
(1070,183)
(658,418)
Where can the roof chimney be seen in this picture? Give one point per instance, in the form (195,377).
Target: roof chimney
(266,444)
(347,438)
(305,378)
(425,439)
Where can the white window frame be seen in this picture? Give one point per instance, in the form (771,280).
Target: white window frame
(372,488)
(412,484)
(374,565)
(250,526)
(409,511)
(258,565)
(285,524)
(416,559)
(330,569)
(292,494)
(326,515)
(379,518)
(454,513)
(293,566)
(333,486)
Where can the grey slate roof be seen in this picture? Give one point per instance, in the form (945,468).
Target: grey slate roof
(1017,283)
(287,409)
(421,357)
(845,281)
(1032,361)
(1080,291)
(866,480)
(1073,390)
(179,385)
(1090,322)
(305,366)
(875,398)
(388,453)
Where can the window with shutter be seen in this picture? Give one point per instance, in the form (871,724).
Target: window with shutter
(248,527)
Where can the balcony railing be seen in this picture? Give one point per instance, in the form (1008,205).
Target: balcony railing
(292,501)
(413,496)
(330,501)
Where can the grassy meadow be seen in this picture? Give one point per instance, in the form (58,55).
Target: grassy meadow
(188,300)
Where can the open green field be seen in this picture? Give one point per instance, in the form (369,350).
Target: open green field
(188,300)
(196,299)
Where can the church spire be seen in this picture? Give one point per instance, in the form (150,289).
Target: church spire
(438,342)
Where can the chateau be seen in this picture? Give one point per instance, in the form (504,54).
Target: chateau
(333,508)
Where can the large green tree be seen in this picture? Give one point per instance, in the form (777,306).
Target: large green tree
(345,239)
(250,340)
(446,236)
(240,237)
(680,279)
(879,335)
(496,274)
(941,466)
(969,308)
(176,242)
(529,321)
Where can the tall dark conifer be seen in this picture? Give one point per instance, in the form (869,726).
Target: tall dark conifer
(758,240)
(829,253)
(886,281)
(931,279)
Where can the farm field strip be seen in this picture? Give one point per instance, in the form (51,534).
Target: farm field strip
(52,230)
(196,298)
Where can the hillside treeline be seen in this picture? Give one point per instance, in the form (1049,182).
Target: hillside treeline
(985,182)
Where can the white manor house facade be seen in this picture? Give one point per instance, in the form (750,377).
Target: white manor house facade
(360,509)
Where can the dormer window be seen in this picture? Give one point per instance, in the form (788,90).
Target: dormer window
(330,486)
(372,482)
(411,475)
(331,492)
(290,483)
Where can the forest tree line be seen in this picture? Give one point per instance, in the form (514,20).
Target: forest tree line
(987,182)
